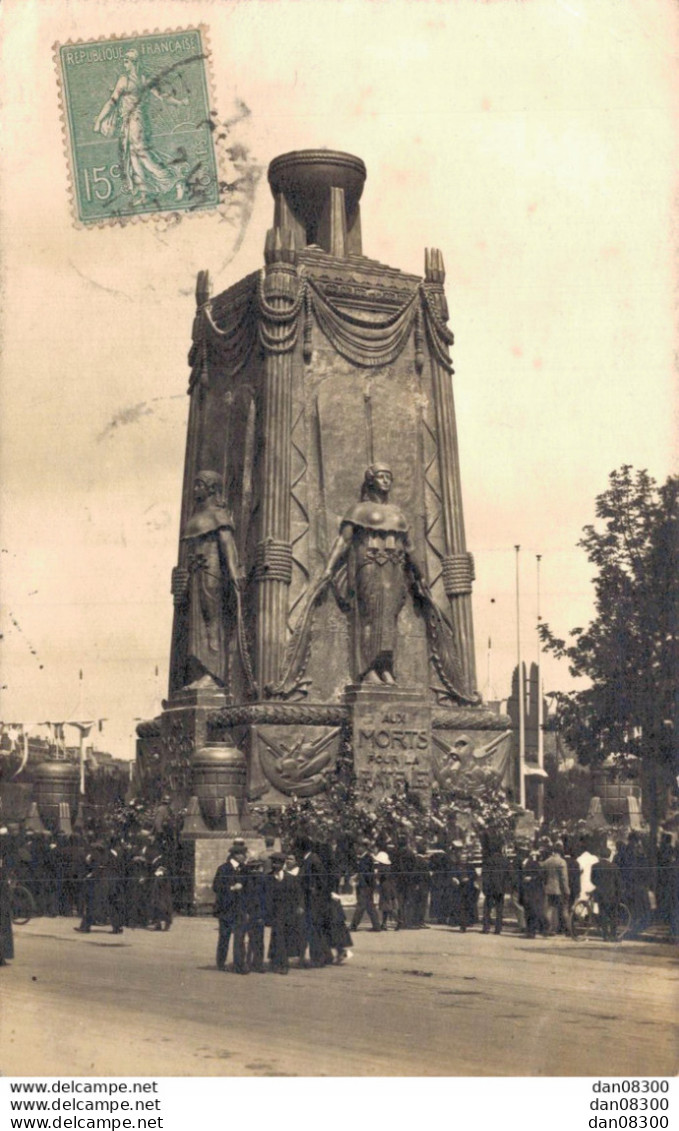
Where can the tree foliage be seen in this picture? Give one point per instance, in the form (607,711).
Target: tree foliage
(629,652)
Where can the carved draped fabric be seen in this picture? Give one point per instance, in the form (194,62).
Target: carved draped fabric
(229,346)
(367,342)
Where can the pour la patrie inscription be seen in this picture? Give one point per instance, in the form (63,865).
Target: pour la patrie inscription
(391,740)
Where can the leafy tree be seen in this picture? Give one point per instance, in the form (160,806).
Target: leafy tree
(630,650)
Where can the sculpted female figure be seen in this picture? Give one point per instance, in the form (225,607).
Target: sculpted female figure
(381,565)
(212,583)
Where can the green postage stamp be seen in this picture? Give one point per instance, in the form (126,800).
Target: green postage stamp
(139,125)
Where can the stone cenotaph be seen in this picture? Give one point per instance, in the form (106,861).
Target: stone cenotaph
(323,586)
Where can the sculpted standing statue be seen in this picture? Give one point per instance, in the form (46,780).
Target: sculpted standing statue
(381,568)
(211,585)
(381,564)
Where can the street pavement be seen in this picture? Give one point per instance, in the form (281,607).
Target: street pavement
(433,1002)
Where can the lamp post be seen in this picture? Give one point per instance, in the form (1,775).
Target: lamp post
(541,734)
(521,693)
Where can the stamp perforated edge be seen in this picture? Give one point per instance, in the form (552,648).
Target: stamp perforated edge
(171,214)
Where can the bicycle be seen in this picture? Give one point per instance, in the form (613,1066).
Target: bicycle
(23,904)
(586,920)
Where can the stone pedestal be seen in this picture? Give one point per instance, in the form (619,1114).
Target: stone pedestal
(166,746)
(390,737)
(217,814)
(202,856)
(55,790)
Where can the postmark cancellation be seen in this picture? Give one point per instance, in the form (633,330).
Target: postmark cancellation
(139,125)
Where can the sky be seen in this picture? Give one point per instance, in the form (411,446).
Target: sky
(532,141)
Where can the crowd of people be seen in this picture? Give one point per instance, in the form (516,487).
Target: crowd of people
(127,873)
(401,886)
(118,872)
(296,895)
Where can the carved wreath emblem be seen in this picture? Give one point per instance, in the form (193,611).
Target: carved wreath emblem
(297,768)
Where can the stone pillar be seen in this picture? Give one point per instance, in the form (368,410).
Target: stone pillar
(332,227)
(457,564)
(194,433)
(390,738)
(279,309)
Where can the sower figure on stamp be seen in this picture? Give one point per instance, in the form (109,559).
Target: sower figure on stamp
(212,584)
(229,887)
(145,171)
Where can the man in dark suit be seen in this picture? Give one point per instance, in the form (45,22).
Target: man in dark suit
(366,888)
(6,937)
(441,899)
(421,883)
(255,913)
(532,894)
(116,877)
(283,901)
(95,898)
(608,894)
(160,911)
(315,886)
(404,865)
(228,886)
(494,875)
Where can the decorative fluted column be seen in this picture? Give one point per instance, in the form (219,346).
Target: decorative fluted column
(279,307)
(457,564)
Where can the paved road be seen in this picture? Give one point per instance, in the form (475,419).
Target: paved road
(431,1002)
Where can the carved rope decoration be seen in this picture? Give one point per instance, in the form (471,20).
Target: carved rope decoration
(458,574)
(274,561)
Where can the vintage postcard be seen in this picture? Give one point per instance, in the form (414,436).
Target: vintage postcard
(338,387)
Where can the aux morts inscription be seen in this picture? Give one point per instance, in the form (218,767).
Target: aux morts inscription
(390,739)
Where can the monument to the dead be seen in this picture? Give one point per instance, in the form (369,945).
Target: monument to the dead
(323,586)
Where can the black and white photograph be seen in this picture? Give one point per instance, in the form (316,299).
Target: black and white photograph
(339,536)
